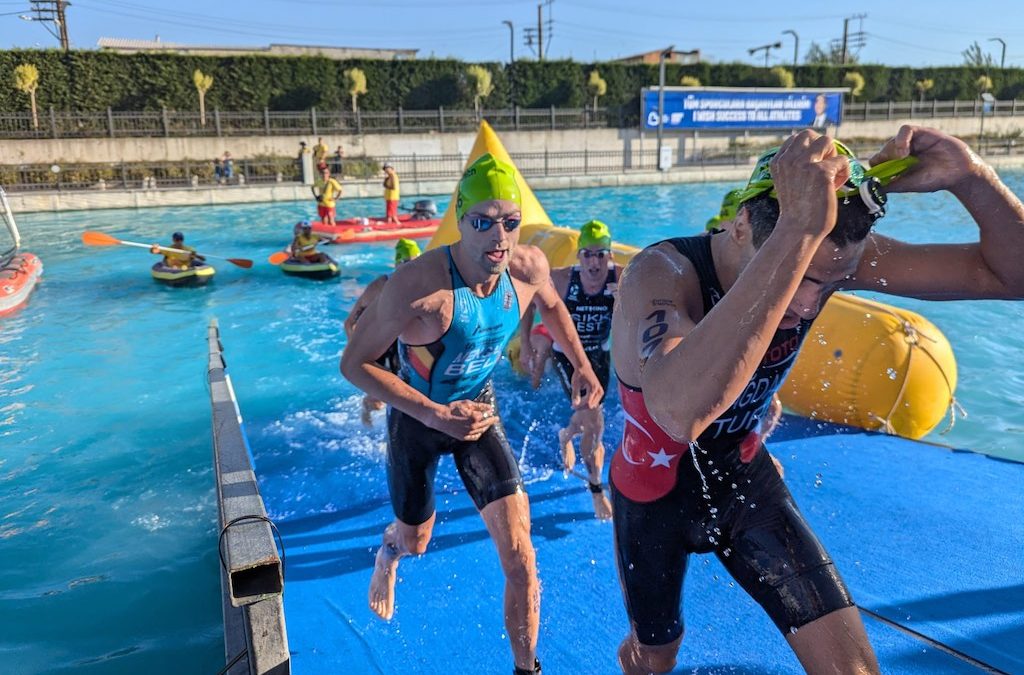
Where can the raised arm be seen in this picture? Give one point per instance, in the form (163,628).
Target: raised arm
(695,370)
(987,268)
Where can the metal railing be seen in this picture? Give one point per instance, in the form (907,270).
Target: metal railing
(415,167)
(147,175)
(167,123)
(889,110)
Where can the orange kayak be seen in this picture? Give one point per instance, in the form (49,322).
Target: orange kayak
(17,279)
(364,230)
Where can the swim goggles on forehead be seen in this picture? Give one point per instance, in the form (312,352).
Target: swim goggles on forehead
(484,223)
(870,189)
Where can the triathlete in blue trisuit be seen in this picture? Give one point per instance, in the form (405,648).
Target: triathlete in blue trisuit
(453,310)
(706,330)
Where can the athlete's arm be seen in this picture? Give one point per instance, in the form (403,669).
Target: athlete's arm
(587,390)
(370,294)
(380,325)
(988,268)
(693,373)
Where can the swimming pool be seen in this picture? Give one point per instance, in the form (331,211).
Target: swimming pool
(107,515)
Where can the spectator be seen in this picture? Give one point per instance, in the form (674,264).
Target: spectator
(338,165)
(218,170)
(391,194)
(320,151)
(228,166)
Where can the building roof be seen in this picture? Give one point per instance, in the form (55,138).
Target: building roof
(129,46)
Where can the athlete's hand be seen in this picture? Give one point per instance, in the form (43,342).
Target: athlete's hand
(154,249)
(944,161)
(586,388)
(463,420)
(807,171)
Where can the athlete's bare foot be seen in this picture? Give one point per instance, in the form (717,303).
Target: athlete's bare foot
(382,584)
(602,507)
(568,451)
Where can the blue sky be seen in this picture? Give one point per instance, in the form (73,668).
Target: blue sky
(908,32)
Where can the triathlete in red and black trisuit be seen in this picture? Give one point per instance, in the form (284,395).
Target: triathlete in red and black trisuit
(720,494)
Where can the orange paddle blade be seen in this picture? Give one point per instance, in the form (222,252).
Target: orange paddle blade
(241,262)
(99,239)
(278,258)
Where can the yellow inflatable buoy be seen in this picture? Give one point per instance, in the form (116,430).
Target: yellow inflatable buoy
(874,366)
(865,364)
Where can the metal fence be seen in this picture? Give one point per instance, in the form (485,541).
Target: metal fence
(185,174)
(860,112)
(167,123)
(415,167)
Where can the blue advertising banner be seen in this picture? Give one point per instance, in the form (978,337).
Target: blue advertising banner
(739,109)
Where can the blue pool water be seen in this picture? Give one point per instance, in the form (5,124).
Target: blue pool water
(107,515)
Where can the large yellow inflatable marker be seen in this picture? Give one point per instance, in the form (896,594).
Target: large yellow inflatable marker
(533,212)
(865,364)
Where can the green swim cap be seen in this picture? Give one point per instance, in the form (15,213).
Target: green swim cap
(867,183)
(594,233)
(730,205)
(406,249)
(487,178)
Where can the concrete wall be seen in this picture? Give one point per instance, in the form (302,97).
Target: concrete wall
(66,151)
(27,202)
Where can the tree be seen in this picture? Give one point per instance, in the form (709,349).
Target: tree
(783,77)
(983,84)
(923,87)
(26,79)
(689,81)
(596,86)
(975,57)
(817,56)
(203,84)
(355,84)
(855,81)
(481,84)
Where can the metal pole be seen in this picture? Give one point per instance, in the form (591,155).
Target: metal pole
(661,97)
(1002,58)
(65,43)
(511,63)
(796,46)
(540,32)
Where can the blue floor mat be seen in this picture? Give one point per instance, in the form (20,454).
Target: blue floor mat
(926,537)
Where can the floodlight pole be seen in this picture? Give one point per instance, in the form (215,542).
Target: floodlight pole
(796,46)
(1002,57)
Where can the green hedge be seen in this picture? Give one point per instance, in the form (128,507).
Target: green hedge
(93,80)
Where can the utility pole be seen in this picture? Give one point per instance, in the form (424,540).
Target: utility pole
(856,39)
(540,32)
(52,11)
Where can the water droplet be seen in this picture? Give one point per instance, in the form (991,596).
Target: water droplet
(733,486)
(631,567)
(793,630)
(817,480)
(891,372)
(825,385)
(727,552)
(753,505)
(874,263)
(715,577)
(883,281)
(712,510)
